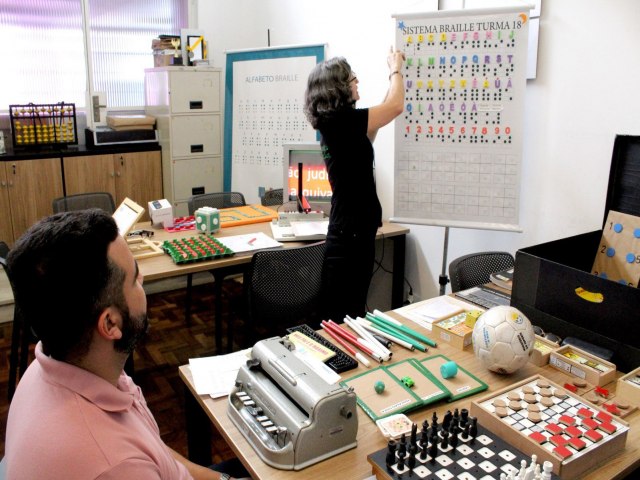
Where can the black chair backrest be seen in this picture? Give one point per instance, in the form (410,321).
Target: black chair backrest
(272,197)
(474,269)
(216,200)
(82,201)
(284,287)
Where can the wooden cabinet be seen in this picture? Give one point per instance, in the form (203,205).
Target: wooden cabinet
(27,189)
(137,175)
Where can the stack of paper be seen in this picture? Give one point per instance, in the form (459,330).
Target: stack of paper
(434,309)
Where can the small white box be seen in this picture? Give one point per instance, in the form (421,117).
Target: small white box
(161,212)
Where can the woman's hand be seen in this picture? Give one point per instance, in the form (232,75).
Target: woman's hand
(395,60)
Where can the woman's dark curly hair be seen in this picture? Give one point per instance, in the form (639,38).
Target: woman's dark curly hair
(328,91)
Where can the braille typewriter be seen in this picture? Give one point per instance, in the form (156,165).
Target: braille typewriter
(288,413)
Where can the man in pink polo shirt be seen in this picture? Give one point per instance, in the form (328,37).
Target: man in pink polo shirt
(75,413)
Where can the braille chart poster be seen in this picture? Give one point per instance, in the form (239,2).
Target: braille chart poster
(263,111)
(458,143)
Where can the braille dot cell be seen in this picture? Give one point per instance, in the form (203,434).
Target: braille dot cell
(631,258)
(617,228)
(610,252)
(636,233)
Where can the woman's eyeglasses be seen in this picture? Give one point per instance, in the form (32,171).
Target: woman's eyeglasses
(353,79)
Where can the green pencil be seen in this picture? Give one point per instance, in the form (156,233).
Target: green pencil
(399,326)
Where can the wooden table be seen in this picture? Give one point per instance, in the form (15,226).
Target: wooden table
(162,266)
(203,411)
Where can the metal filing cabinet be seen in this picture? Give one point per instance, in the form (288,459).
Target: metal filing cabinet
(186,104)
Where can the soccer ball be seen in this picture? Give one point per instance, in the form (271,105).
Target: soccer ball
(503,339)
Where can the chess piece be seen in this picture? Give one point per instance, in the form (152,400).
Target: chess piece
(465,431)
(414,433)
(546,470)
(445,440)
(456,416)
(434,423)
(423,452)
(453,438)
(464,417)
(473,429)
(411,462)
(446,421)
(402,448)
(433,451)
(391,453)
(401,455)
(424,434)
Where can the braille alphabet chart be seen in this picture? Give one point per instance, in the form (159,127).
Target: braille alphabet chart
(458,143)
(263,111)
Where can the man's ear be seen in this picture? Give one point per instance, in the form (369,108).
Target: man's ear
(110,324)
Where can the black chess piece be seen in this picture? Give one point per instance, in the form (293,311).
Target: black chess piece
(414,434)
(433,451)
(391,453)
(456,417)
(423,445)
(411,462)
(402,447)
(464,417)
(445,440)
(453,438)
(473,429)
(465,431)
(446,420)
(401,456)
(424,434)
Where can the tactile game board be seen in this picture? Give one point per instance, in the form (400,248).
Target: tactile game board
(542,418)
(477,454)
(193,249)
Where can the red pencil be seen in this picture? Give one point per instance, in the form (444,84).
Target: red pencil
(344,344)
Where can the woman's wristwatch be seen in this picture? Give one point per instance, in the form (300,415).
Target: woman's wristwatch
(393,73)
(225,476)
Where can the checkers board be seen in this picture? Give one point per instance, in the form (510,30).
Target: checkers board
(194,249)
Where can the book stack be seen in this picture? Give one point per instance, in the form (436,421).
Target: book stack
(503,278)
(166,50)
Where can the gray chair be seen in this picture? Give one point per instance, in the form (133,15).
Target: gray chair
(214,200)
(284,288)
(272,198)
(474,269)
(82,201)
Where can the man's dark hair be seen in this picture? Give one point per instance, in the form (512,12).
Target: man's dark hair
(328,91)
(63,279)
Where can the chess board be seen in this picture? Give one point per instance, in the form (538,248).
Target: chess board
(539,417)
(480,455)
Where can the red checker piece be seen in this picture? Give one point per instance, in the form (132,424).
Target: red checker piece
(538,437)
(577,443)
(558,440)
(607,427)
(590,423)
(585,413)
(564,452)
(554,429)
(604,417)
(612,408)
(566,420)
(593,435)
(573,431)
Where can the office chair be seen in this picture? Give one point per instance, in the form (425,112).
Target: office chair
(474,269)
(214,200)
(272,198)
(82,201)
(21,335)
(283,288)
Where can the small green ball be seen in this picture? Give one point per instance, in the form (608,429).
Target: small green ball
(379,386)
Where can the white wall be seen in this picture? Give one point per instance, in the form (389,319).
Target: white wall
(585,93)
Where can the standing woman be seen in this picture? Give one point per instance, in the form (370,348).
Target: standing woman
(347,134)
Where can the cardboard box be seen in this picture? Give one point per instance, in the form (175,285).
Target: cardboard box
(583,365)
(542,351)
(161,213)
(548,276)
(454,331)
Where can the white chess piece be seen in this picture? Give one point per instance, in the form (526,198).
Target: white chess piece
(546,471)
(530,472)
